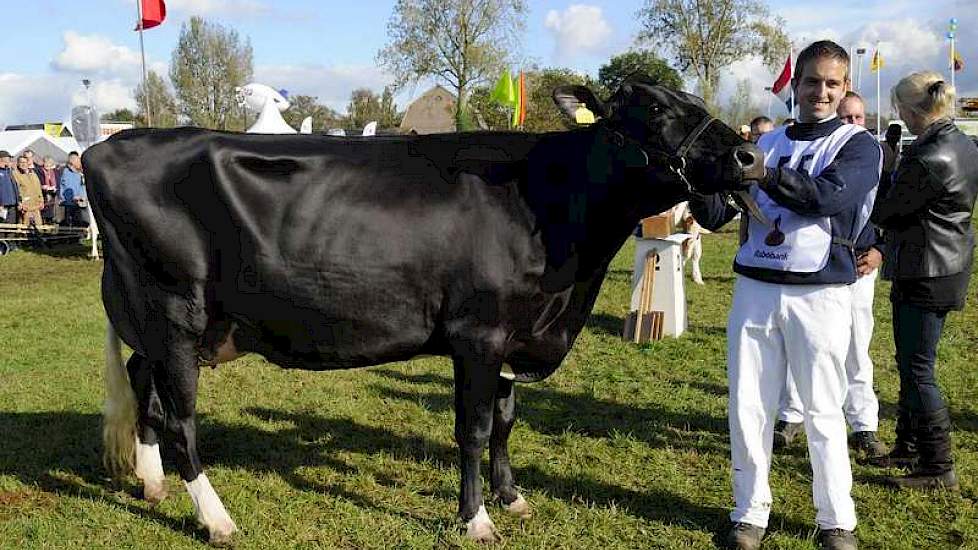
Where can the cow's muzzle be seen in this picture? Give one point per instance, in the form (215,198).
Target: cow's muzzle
(748,162)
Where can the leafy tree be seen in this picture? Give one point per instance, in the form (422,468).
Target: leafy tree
(363,108)
(119,115)
(542,115)
(303,106)
(162,104)
(389,117)
(486,112)
(463,43)
(645,62)
(208,63)
(703,36)
(741,108)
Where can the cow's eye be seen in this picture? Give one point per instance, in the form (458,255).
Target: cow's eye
(655,109)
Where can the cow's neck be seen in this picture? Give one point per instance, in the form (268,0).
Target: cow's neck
(587,198)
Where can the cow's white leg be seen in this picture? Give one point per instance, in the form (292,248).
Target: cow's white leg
(149,469)
(481,528)
(210,511)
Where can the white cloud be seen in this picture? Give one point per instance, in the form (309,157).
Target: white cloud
(332,85)
(94,54)
(578,29)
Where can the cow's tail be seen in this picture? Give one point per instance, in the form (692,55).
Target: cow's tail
(119,415)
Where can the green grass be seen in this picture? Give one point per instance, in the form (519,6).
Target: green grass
(624,447)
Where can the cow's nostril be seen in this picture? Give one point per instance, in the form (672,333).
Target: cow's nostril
(745,158)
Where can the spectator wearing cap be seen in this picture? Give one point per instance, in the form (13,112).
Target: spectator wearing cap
(9,196)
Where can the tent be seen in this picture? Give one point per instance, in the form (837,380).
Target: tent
(43,145)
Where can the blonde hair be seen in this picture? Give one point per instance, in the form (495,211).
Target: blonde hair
(925,94)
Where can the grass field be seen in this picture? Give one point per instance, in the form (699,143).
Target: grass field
(624,447)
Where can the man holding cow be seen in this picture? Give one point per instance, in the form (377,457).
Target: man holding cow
(792,306)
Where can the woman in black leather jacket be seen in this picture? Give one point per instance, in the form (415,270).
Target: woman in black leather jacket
(925,213)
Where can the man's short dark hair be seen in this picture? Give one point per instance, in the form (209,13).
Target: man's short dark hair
(818,50)
(4,154)
(760,120)
(73,154)
(788,121)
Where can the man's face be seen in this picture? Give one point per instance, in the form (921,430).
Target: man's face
(4,162)
(853,111)
(74,161)
(760,130)
(30,159)
(23,164)
(820,88)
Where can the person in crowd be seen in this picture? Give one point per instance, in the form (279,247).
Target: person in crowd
(760,126)
(29,187)
(36,168)
(925,212)
(73,196)
(792,305)
(9,194)
(49,188)
(861,405)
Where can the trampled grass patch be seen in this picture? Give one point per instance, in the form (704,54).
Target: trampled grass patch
(624,447)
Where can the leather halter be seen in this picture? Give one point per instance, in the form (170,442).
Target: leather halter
(676,162)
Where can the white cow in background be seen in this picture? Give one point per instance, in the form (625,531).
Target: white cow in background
(692,247)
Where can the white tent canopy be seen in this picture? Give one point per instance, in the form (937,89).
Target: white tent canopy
(43,145)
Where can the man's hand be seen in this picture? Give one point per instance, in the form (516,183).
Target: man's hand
(868,262)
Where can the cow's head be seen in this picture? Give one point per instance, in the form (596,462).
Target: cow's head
(673,129)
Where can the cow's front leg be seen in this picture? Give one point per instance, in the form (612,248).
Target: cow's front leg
(503,416)
(475,392)
(176,383)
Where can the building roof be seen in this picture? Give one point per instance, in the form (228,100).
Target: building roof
(43,145)
(432,113)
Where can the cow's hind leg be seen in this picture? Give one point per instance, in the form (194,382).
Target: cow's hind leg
(176,380)
(503,416)
(475,391)
(149,465)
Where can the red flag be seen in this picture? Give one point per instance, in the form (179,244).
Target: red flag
(522,98)
(782,86)
(154,12)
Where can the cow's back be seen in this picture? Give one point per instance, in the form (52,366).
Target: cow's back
(326,251)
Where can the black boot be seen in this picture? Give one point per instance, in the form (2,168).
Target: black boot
(904,451)
(935,468)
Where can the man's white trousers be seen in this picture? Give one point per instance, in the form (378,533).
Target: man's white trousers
(861,406)
(773,329)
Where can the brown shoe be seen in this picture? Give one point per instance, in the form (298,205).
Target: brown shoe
(837,539)
(744,536)
(867,445)
(920,481)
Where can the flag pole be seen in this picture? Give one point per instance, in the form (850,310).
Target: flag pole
(879,108)
(142,52)
(952,27)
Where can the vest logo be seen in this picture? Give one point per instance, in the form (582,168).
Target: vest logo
(764,254)
(776,236)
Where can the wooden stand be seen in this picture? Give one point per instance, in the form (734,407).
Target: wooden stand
(645,324)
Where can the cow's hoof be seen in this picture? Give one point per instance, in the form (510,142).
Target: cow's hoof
(481,528)
(223,536)
(154,493)
(519,508)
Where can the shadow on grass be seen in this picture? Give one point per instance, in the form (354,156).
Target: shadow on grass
(66,461)
(602,323)
(551,412)
(59,453)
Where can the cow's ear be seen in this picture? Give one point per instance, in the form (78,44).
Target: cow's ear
(570,99)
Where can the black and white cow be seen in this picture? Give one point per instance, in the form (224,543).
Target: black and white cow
(323,253)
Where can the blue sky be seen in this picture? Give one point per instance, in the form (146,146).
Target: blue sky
(326,48)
